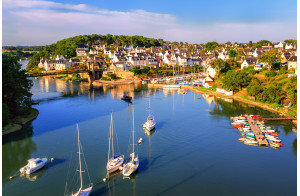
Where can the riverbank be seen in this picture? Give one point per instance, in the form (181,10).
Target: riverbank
(114,82)
(17,122)
(281,111)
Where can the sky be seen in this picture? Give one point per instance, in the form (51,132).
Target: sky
(41,22)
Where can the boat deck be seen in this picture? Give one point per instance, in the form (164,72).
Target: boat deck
(257,132)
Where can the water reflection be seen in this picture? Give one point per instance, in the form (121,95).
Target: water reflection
(17,149)
(34,176)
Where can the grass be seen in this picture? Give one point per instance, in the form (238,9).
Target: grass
(9,128)
(22,119)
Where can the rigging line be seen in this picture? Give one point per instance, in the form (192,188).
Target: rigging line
(85,163)
(71,157)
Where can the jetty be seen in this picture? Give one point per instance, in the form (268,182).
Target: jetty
(277,119)
(261,140)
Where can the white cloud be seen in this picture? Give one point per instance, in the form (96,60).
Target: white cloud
(36,22)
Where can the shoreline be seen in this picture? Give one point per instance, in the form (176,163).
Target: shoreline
(19,121)
(236,98)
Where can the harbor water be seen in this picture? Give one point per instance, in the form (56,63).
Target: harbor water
(194,149)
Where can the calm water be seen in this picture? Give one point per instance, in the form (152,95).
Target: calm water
(193,151)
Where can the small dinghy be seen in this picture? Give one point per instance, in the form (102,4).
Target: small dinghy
(33,165)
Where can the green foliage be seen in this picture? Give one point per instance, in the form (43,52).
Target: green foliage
(105,78)
(236,80)
(261,42)
(292,93)
(272,94)
(211,45)
(251,70)
(255,88)
(270,74)
(228,43)
(5,114)
(136,70)
(232,53)
(271,57)
(291,41)
(15,85)
(250,44)
(222,66)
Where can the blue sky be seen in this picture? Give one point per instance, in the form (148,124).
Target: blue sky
(39,22)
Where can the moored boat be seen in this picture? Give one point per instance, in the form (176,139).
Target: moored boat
(33,165)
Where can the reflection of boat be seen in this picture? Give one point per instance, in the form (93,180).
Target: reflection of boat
(83,190)
(126,98)
(33,165)
(35,176)
(130,167)
(171,86)
(115,161)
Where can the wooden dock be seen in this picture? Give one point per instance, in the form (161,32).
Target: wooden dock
(257,132)
(278,119)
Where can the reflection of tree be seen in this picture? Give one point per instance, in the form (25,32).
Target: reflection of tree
(228,109)
(16,150)
(295,146)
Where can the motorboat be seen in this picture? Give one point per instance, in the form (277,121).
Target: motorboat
(33,165)
(249,141)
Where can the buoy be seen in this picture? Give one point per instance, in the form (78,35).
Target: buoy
(52,159)
(10,177)
(104,179)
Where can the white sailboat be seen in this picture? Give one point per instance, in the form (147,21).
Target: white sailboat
(130,167)
(83,190)
(114,161)
(150,123)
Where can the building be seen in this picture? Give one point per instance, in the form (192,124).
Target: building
(292,62)
(248,62)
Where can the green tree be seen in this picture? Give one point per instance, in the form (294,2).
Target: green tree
(16,86)
(272,94)
(232,53)
(136,70)
(250,44)
(211,45)
(255,88)
(270,57)
(236,80)
(218,65)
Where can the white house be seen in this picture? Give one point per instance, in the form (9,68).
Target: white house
(289,46)
(80,52)
(62,65)
(210,72)
(278,45)
(292,62)
(248,61)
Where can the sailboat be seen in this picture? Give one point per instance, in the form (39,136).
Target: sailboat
(113,163)
(83,190)
(150,123)
(130,167)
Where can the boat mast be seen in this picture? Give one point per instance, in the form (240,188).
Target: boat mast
(109,137)
(80,172)
(149,106)
(132,132)
(112,135)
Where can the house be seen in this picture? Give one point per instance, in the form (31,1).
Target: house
(289,46)
(84,46)
(248,51)
(292,62)
(208,84)
(278,45)
(93,51)
(62,64)
(80,52)
(74,62)
(248,62)
(285,56)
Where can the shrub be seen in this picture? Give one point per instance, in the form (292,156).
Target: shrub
(5,114)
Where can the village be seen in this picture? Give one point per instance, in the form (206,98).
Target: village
(118,58)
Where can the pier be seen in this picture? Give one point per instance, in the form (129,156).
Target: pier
(277,119)
(261,140)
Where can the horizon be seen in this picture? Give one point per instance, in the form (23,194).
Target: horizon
(39,22)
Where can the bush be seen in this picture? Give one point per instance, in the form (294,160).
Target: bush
(270,74)
(105,78)
(5,114)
